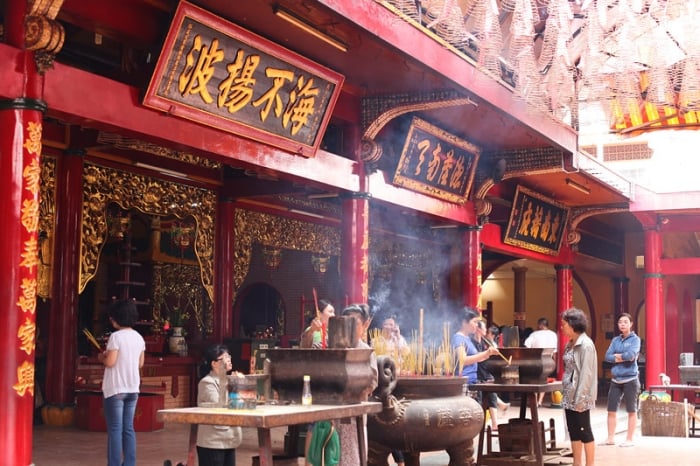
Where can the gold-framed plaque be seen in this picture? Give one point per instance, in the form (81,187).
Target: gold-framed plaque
(436,163)
(536,222)
(219,74)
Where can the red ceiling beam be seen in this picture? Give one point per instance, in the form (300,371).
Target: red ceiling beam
(381,190)
(138,21)
(680,223)
(78,97)
(683,266)
(492,238)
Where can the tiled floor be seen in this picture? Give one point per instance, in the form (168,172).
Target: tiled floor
(74,447)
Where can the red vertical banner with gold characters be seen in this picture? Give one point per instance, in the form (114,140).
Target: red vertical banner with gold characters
(471,271)
(355,248)
(20,149)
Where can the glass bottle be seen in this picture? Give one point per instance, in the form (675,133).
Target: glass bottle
(306,391)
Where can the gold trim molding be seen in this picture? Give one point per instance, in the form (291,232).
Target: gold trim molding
(103,185)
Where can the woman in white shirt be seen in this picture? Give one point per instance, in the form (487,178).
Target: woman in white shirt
(123,359)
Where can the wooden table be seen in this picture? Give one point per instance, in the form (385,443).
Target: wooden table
(265,417)
(528,396)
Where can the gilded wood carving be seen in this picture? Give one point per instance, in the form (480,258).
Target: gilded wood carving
(103,185)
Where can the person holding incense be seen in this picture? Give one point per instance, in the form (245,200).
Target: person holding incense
(468,355)
(316,334)
(123,358)
(479,339)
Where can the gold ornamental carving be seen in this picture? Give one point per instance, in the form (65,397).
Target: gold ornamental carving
(103,185)
(278,232)
(182,284)
(47,215)
(42,33)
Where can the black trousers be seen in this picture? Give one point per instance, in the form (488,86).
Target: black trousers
(216,457)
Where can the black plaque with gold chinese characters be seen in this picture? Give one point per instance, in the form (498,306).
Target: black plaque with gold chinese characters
(536,222)
(436,163)
(215,73)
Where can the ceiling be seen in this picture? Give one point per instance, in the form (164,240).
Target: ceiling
(122,40)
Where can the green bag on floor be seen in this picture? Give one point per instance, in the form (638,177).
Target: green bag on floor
(324,449)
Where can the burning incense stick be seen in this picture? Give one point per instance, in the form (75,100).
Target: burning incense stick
(324,328)
(508,360)
(318,312)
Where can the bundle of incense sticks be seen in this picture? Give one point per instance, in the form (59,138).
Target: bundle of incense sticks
(324,328)
(422,359)
(91,339)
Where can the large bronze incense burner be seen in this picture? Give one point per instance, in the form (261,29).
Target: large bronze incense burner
(338,376)
(422,413)
(534,365)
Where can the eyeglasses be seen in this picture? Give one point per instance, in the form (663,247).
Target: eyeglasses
(224,357)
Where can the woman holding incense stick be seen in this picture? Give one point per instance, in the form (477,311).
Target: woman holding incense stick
(494,402)
(123,358)
(316,334)
(468,356)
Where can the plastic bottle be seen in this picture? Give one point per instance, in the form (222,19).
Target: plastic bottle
(306,392)
(234,401)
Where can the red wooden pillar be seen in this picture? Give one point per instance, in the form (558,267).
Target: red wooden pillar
(223,288)
(20,175)
(655,324)
(519,297)
(62,349)
(621,296)
(565,300)
(471,269)
(355,247)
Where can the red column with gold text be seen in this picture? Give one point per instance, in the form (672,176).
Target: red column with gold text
(20,174)
(355,247)
(471,271)
(565,299)
(20,148)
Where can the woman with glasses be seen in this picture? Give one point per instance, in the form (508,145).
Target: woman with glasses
(216,445)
